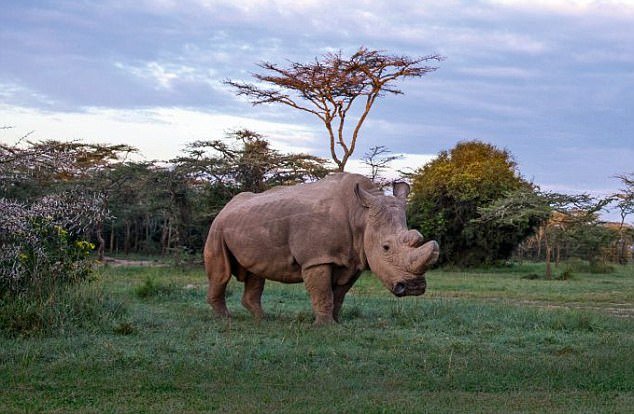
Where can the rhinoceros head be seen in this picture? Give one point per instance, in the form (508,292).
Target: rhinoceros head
(395,254)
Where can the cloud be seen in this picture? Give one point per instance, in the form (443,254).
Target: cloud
(612,8)
(15,93)
(159,133)
(164,75)
(511,72)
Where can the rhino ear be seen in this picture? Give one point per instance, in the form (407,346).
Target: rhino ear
(366,199)
(400,190)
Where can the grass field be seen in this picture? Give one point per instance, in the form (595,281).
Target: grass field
(479,341)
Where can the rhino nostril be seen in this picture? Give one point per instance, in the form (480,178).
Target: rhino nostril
(399,289)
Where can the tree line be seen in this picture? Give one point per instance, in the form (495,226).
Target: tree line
(471,198)
(153,207)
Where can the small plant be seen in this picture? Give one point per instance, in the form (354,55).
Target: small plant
(123,328)
(150,288)
(566,274)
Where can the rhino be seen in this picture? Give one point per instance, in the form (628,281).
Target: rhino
(323,234)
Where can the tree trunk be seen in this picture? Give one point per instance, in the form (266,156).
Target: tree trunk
(102,242)
(165,236)
(549,273)
(169,236)
(126,240)
(147,233)
(136,235)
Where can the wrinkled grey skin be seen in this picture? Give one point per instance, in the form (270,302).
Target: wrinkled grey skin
(323,234)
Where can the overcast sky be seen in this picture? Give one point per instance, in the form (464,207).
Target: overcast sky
(552,81)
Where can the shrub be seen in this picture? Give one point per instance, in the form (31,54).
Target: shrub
(43,254)
(151,288)
(449,193)
(41,245)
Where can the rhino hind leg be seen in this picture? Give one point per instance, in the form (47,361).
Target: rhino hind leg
(218,268)
(251,297)
(216,298)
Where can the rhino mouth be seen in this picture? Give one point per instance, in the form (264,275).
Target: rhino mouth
(413,287)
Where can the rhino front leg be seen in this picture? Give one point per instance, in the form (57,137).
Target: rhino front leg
(318,282)
(251,298)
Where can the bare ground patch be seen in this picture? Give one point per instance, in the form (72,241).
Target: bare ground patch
(111,261)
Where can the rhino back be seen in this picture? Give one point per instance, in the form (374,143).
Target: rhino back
(277,233)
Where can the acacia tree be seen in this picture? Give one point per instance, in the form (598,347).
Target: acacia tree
(624,202)
(252,165)
(560,217)
(378,160)
(330,86)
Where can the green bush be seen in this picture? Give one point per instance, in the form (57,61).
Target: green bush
(43,262)
(41,245)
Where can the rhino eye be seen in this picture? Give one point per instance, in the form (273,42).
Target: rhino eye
(386,247)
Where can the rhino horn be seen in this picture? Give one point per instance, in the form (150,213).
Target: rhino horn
(412,238)
(423,257)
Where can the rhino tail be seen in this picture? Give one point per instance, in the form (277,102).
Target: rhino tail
(218,268)
(217,261)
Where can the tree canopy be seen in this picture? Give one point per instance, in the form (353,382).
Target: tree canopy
(329,87)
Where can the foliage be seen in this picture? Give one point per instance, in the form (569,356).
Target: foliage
(329,87)
(447,193)
(624,203)
(252,165)
(41,245)
(43,261)
(48,213)
(40,168)
(37,169)
(568,222)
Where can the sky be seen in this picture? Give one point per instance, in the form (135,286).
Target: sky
(551,81)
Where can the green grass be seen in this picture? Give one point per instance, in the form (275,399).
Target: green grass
(62,310)
(479,341)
